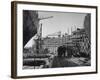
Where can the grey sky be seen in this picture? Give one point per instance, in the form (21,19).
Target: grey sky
(61,21)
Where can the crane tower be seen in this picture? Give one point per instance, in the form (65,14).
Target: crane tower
(39,34)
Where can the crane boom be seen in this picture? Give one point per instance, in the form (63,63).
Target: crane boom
(45,18)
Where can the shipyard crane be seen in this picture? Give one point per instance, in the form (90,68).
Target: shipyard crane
(39,30)
(39,34)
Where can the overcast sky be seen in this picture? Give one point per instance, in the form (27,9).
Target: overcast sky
(61,21)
